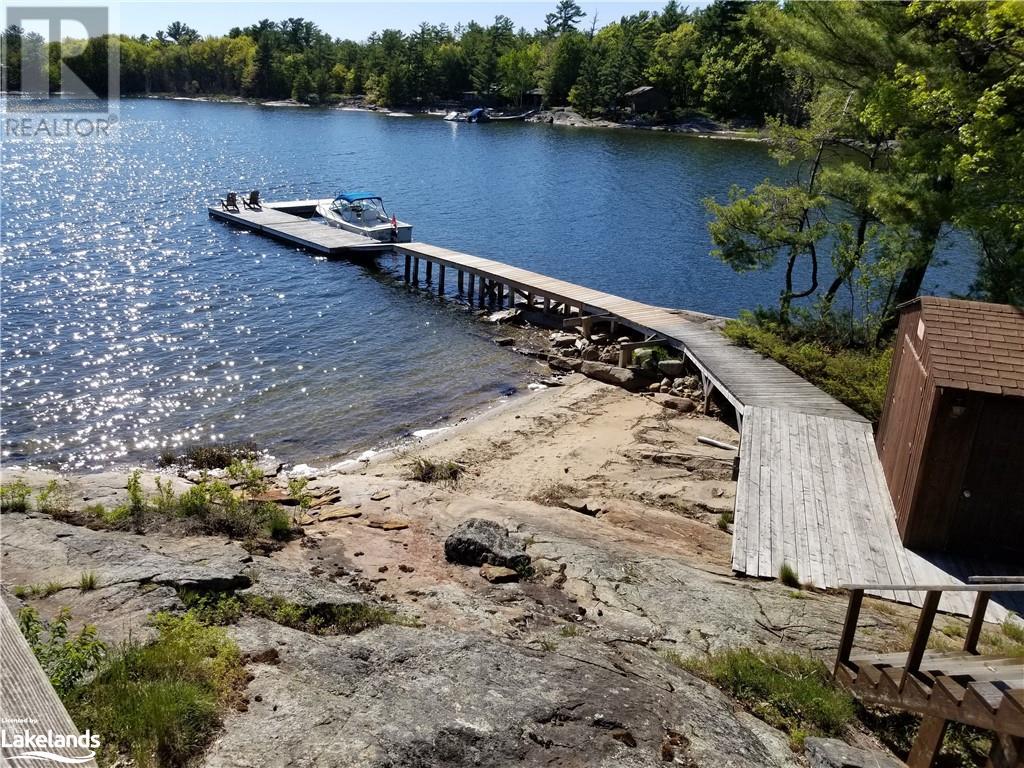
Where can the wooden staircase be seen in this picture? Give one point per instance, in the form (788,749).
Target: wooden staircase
(960,686)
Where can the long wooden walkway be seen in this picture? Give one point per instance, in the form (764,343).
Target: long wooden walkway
(810,491)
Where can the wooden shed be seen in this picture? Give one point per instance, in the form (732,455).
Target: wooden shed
(951,438)
(646,99)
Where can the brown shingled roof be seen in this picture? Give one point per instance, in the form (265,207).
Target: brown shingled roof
(974,345)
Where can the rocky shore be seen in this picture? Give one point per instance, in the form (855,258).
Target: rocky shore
(544,587)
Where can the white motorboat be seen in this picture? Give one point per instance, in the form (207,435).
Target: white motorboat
(364,214)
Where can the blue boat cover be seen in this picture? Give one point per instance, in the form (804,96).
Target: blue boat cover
(351,197)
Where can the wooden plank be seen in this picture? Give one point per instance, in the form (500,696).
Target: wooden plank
(764,551)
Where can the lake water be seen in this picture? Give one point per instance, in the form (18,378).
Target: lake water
(131,321)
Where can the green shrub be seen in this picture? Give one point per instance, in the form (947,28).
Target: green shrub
(248,476)
(1013,628)
(66,659)
(788,576)
(427,470)
(857,377)
(297,490)
(790,691)
(195,502)
(163,501)
(160,703)
(53,499)
(219,456)
(725,519)
(137,505)
(14,496)
(278,523)
(212,608)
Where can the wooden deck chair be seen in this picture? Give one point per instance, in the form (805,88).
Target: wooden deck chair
(230,203)
(254,200)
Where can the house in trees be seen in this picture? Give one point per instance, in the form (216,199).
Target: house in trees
(951,437)
(646,99)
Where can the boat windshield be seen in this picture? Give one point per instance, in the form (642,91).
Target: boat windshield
(362,206)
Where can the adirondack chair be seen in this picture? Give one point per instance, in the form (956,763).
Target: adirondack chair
(230,203)
(253,202)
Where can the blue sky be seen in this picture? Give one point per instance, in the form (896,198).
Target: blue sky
(355,20)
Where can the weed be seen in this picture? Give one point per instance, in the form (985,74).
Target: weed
(297,490)
(161,703)
(324,619)
(548,645)
(278,522)
(218,456)
(166,458)
(163,501)
(788,576)
(1013,628)
(21,592)
(53,499)
(14,496)
(787,690)
(212,608)
(87,581)
(725,520)
(66,659)
(136,507)
(552,495)
(195,502)
(426,470)
(569,630)
(248,476)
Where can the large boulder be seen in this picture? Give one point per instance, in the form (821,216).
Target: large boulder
(672,368)
(609,374)
(477,542)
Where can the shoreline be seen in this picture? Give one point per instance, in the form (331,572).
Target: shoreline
(697,129)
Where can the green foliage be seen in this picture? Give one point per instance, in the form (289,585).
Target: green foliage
(962,745)
(53,498)
(164,502)
(212,608)
(725,519)
(790,691)
(88,581)
(217,455)
(297,490)
(426,470)
(248,476)
(1013,628)
(160,703)
(856,377)
(14,496)
(67,659)
(788,576)
(323,619)
(38,590)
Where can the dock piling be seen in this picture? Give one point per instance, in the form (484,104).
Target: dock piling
(460,282)
(440,280)
(430,270)
(408,265)
(472,280)
(416,270)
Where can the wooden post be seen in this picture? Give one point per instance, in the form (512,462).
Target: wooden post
(547,304)
(416,270)
(977,621)
(849,627)
(529,299)
(440,280)
(483,289)
(587,325)
(460,282)
(408,264)
(1007,751)
(928,742)
(499,293)
(430,270)
(472,280)
(625,356)
(924,629)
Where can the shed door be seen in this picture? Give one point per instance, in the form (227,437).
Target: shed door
(990,516)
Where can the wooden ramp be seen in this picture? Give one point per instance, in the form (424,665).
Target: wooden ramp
(27,700)
(278,220)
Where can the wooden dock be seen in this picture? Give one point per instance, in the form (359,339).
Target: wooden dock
(289,222)
(810,490)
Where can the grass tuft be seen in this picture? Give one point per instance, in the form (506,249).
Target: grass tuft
(426,470)
(219,455)
(87,581)
(789,576)
(787,690)
(725,519)
(14,496)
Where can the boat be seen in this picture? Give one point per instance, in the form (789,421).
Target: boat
(364,213)
(478,115)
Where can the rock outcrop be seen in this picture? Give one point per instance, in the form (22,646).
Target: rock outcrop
(478,542)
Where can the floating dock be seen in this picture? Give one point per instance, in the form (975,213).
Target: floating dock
(290,223)
(810,492)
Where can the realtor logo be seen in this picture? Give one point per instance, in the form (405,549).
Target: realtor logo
(61,64)
(24,747)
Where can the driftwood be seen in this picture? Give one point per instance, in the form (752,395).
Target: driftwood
(717,443)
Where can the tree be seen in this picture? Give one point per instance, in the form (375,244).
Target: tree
(561,66)
(182,34)
(517,71)
(564,18)
(674,63)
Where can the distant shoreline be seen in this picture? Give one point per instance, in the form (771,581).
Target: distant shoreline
(564,117)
